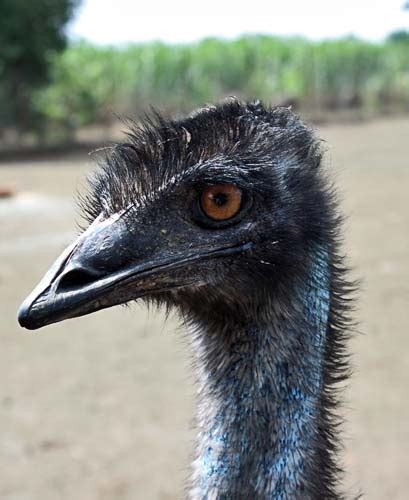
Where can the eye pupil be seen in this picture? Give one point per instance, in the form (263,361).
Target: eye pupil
(220,199)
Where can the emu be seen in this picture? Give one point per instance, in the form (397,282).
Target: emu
(227,216)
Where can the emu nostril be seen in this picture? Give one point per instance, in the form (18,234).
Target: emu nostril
(77,278)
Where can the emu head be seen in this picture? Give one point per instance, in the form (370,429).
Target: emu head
(205,213)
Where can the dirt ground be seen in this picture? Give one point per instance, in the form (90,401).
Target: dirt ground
(101,407)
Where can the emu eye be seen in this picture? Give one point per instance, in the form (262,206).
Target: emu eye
(221,201)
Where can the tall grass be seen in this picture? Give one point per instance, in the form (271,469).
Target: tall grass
(90,83)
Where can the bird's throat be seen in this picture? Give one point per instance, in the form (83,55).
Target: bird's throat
(260,398)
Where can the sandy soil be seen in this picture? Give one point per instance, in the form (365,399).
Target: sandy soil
(100,407)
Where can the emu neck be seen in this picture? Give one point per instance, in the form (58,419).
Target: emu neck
(260,398)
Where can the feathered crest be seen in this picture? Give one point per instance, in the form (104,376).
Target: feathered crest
(157,150)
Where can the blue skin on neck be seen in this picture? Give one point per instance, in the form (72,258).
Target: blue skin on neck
(264,424)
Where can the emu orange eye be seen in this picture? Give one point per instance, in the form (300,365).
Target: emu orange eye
(221,201)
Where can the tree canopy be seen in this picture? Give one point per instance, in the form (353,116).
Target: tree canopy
(30,33)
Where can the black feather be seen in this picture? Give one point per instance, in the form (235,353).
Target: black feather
(272,153)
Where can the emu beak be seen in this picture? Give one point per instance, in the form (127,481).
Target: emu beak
(109,264)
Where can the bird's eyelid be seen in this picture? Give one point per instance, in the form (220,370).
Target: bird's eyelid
(210,177)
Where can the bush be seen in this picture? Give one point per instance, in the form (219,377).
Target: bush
(90,83)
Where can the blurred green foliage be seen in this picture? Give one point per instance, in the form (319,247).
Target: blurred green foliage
(30,33)
(90,84)
(399,36)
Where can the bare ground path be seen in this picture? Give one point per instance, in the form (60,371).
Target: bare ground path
(101,407)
